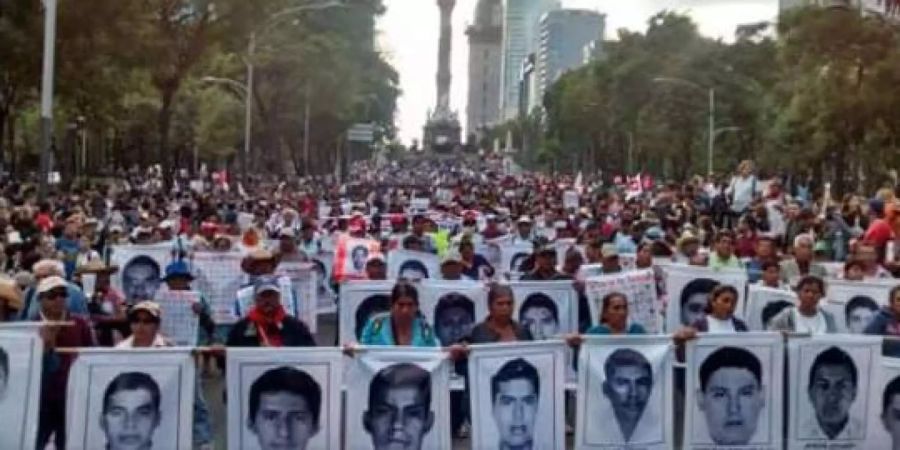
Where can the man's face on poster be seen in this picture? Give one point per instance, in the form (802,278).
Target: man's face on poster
(129,420)
(831,393)
(140,281)
(453,324)
(540,321)
(399,419)
(412,274)
(359,256)
(515,410)
(694,308)
(858,319)
(731,404)
(628,390)
(891,419)
(284,421)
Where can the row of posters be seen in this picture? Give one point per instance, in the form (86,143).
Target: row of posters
(840,393)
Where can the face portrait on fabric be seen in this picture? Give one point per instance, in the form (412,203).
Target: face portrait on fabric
(515,398)
(694,299)
(284,409)
(540,315)
(515,263)
(832,391)
(412,270)
(4,373)
(890,411)
(858,313)
(141,278)
(131,411)
(627,386)
(398,415)
(772,309)
(454,316)
(321,277)
(731,395)
(358,257)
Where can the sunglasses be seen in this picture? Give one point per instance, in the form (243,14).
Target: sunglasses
(144,321)
(56,294)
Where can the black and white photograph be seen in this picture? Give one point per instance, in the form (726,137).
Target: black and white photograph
(288,398)
(763,303)
(304,285)
(21,356)
(639,287)
(325,295)
(359,301)
(885,407)
(131,399)
(141,271)
(401,400)
(625,393)
(855,303)
(734,392)
(830,400)
(516,395)
(412,265)
(453,308)
(688,288)
(547,308)
(513,255)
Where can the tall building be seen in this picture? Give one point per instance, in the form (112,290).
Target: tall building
(485,60)
(520,38)
(564,33)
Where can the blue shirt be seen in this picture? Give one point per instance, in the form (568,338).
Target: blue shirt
(69,249)
(75,302)
(379,331)
(601,329)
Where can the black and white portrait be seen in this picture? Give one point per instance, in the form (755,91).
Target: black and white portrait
(290,399)
(516,395)
(546,308)
(453,307)
(831,402)
(402,400)
(625,395)
(322,267)
(21,355)
(512,256)
(358,257)
(359,301)
(412,265)
(689,288)
(132,400)
(886,404)
(141,278)
(733,393)
(764,303)
(858,312)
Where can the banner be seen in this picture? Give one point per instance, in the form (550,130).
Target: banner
(855,303)
(513,255)
(325,295)
(412,265)
(453,307)
(219,277)
(625,393)
(141,269)
(734,392)
(398,398)
(885,405)
(142,398)
(570,200)
(688,288)
(360,300)
(305,286)
(640,289)
(351,255)
(829,400)
(546,308)
(21,363)
(274,387)
(180,323)
(763,303)
(516,395)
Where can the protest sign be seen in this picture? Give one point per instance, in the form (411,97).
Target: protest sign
(639,287)
(180,323)
(21,366)
(763,303)
(413,266)
(689,287)
(360,300)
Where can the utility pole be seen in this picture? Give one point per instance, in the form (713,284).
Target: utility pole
(47,94)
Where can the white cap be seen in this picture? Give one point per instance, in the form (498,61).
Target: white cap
(50,283)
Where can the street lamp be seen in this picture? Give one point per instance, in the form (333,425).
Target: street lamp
(712,112)
(47,94)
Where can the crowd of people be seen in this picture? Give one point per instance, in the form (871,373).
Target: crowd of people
(55,251)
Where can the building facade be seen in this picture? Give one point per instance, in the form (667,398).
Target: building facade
(485,61)
(520,38)
(564,33)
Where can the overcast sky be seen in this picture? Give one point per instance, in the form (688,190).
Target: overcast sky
(408,35)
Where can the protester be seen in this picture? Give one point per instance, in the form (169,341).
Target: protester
(802,264)
(45,268)
(267,324)
(887,323)
(807,316)
(403,324)
(719,316)
(723,257)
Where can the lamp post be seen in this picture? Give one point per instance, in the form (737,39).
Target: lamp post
(712,112)
(47,94)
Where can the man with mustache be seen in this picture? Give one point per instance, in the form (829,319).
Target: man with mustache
(731,395)
(515,394)
(628,384)
(833,382)
(399,413)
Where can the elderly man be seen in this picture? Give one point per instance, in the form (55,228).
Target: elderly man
(802,264)
(75,301)
(267,324)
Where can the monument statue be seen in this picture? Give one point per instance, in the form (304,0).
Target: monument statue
(442,132)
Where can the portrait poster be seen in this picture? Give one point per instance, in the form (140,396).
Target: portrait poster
(885,406)
(21,364)
(570,200)
(453,307)
(589,271)
(272,386)
(516,394)
(325,295)
(360,300)
(855,303)
(490,252)
(734,394)
(154,387)
(512,255)
(386,382)
(763,303)
(625,393)
(639,288)
(829,400)
(180,323)
(689,287)
(304,285)
(141,269)
(562,246)
(219,277)
(351,255)
(245,299)
(412,265)
(547,308)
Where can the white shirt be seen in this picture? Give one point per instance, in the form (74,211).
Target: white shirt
(812,325)
(741,191)
(716,326)
(158,341)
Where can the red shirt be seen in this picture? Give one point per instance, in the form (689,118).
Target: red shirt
(879,233)
(43,221)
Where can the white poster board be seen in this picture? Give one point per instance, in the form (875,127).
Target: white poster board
(413,266)
(689,287)
(639,287)
(179,322)
(360,301)
(21,364)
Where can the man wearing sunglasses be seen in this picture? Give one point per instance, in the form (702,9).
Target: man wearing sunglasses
(52,293)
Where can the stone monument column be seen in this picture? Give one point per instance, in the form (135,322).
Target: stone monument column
(444,50)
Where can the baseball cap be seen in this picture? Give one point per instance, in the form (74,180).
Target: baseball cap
(269,284)
(148,307)
(609,250)
(50,283)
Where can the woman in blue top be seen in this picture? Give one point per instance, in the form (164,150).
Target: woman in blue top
(403,324)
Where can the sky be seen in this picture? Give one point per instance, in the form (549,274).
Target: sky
(408,37)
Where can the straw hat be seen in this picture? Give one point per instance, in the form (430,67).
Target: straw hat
(96,266)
